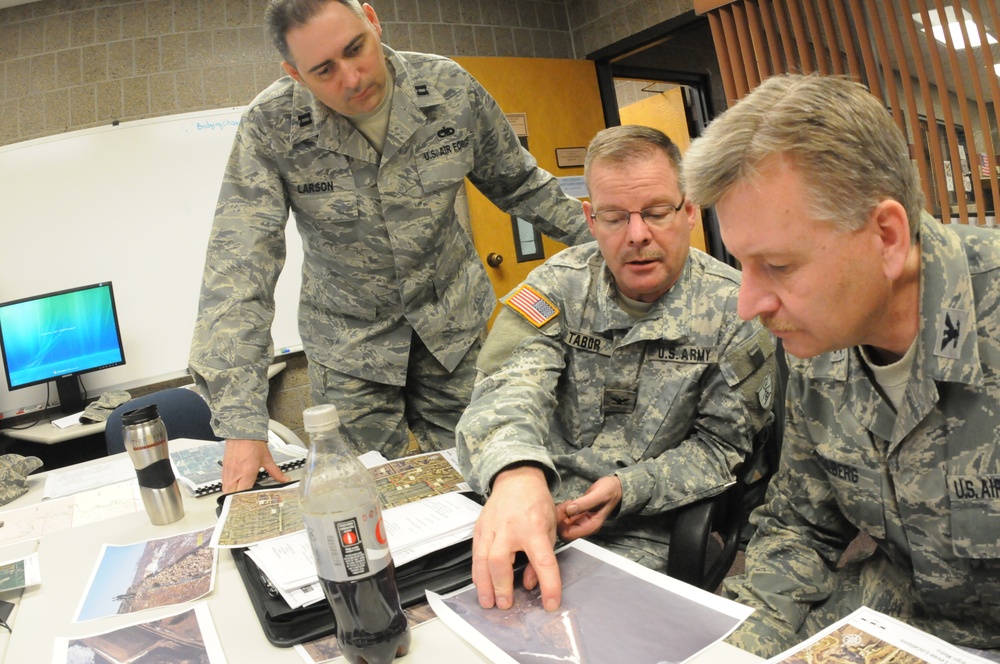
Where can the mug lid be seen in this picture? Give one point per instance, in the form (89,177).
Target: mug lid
(140,415)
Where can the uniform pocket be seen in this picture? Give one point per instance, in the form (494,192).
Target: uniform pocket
(858,490)
(975,515)
(975,530)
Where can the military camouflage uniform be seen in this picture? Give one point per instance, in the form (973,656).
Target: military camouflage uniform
(385,255)
(925,484)
(669,403)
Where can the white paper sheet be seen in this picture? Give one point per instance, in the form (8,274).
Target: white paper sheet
(875,638)
(35,521)
(608,604)
(91,476)
(179,633)
(149,574)
(413,530)
(20,573)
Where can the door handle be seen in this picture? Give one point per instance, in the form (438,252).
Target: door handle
(494,259)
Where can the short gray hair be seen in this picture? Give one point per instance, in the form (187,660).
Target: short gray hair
(850,153)
(283,16)
(628,143)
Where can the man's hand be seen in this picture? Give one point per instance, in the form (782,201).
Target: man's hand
(520,515)
(241,462)
(585,515)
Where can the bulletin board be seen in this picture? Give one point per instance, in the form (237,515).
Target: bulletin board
(133,204)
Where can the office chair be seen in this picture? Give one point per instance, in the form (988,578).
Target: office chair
(184,412)
(695,555)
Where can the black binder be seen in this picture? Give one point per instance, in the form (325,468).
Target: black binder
(442,571)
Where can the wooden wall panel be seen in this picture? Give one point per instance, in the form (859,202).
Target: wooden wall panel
(944,96)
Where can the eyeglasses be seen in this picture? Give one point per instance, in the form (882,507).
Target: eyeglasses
(657,216)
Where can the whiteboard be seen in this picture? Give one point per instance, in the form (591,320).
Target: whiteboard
(131,204)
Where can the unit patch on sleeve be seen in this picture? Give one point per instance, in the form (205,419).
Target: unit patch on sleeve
(530,304)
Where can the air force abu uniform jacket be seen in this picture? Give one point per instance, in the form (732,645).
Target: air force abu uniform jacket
(385,254)
(924,483)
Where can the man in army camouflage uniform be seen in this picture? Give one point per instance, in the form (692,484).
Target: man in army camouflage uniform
(893,412)
(617,382)
(369,148)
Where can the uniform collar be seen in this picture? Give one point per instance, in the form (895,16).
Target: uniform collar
(948,320)
(947,348)
(313,120)
(662,325)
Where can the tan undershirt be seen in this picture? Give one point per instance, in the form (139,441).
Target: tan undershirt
(892,378)
(374,125)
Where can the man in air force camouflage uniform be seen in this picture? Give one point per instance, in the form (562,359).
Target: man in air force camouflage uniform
(893,415)
(617,381)
(369,148)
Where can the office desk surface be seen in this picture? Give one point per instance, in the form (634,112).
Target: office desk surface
(46,433)
(67,557)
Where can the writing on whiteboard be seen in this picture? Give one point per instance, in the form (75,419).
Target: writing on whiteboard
(216,125)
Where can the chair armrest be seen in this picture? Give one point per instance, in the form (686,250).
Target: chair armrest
(686,559)
(285,434)
(690,558)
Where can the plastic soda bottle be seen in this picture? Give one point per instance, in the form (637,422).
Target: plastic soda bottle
(344,521)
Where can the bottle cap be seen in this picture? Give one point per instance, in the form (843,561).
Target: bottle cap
(320,418)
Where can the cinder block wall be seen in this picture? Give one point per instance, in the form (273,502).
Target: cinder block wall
(73,64)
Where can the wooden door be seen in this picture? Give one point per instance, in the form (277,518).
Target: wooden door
(666,112)
(562,104)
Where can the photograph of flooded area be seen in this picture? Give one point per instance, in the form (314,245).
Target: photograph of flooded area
(174,639)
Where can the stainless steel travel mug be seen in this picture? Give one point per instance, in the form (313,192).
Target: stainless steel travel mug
(146,441)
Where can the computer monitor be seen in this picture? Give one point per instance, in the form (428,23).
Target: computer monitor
(58,336)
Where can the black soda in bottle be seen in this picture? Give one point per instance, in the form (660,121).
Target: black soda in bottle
(344,522)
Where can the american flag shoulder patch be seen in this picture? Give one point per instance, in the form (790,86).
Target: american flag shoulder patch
(532,305)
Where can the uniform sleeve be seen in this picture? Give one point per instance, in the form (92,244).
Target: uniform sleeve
(507,420)
(801,534)
(732,407)
(509,176)
(232,346)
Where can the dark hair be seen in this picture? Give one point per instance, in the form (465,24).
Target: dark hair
(282,16)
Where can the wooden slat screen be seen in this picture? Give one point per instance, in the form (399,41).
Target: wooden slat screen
(945,97)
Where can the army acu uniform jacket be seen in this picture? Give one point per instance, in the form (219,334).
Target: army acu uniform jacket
(384,252)
(924,483)
(669,402)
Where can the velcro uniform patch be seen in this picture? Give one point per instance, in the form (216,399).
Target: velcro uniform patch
(532,305)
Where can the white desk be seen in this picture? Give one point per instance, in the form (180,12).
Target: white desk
(67,557)
(46,434)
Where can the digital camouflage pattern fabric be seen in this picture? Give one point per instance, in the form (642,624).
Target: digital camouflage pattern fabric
(668,402)
(385,253)
(923,483)
(14,471)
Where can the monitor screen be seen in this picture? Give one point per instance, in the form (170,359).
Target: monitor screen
(59,335)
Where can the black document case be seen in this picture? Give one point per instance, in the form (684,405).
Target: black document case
(442,571)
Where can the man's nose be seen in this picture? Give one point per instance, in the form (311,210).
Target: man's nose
(637,231)
(352,75)
(754,298)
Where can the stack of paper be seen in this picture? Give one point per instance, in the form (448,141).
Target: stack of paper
(422,510)
(414,530)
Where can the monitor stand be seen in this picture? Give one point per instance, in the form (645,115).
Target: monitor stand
(70,394)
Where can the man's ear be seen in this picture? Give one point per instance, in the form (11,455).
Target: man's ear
(372,18)
(893,230)
(588,209)
(292,71)
(689,209)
